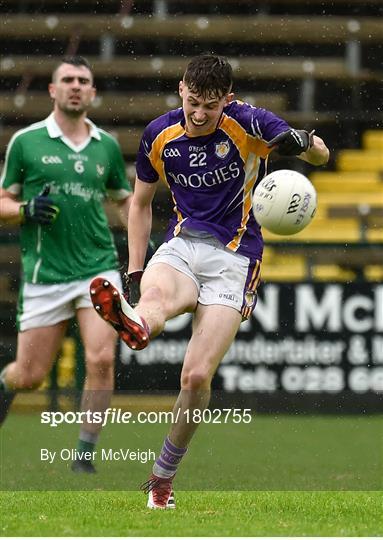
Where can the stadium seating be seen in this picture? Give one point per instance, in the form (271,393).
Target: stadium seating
(343,182)
(293,61)
(373,139)
(363,161)
(332,272)
(374,272)
(308,61)
(283,267)
(119,107)
(266,29)
(323,230)
(170,67)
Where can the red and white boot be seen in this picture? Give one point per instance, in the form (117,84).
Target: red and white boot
(160,493)
(111,305)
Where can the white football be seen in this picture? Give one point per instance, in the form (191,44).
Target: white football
(284,202)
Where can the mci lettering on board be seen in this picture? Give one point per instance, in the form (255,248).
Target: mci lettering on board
(302,338)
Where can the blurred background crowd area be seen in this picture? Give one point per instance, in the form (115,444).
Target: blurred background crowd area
(318,64)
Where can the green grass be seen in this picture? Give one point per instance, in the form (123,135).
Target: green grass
(282,453)
(197,514)
(278,476)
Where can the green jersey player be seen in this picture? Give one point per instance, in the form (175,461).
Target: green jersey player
(56,175)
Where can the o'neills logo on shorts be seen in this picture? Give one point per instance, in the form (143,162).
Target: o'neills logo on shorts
(222,149)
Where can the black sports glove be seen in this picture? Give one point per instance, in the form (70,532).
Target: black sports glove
(40,209)
(292,142)
(131,285)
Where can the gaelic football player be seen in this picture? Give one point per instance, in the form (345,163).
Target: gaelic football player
(211,152)
(56,175)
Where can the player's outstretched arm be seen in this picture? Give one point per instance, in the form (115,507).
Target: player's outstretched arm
(140,224)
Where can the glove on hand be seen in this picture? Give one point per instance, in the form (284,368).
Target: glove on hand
(39,209)
(292,142)
(131,285)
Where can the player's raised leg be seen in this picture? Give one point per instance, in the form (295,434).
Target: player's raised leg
(36,351)
(99,341)
(166,292)
(214,329)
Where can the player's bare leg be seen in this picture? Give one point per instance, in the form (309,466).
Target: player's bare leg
(214,330)
(166,293)
(99,341)
(36,351)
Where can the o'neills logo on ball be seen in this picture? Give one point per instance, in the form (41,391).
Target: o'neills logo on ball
(222,149)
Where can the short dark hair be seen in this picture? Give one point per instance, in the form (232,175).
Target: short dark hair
(74,61)
(209,75)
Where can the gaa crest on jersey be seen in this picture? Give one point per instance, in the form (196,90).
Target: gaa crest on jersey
(222,149)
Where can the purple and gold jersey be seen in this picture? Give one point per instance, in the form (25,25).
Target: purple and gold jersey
(212,177)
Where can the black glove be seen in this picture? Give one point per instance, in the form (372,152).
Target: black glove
(40,209)
(131,285)
(292,142)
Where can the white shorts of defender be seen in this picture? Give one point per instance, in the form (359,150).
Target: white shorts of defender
(46,304)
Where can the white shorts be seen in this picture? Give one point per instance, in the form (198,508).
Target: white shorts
(221,276)
(46,305)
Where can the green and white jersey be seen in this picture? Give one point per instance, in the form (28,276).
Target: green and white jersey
(79,243)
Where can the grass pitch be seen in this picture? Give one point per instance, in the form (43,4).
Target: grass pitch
(197,514)
(278,476)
